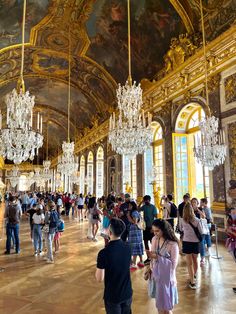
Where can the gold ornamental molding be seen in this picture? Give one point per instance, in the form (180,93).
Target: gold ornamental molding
(183,14)
(221,55)
(23,167)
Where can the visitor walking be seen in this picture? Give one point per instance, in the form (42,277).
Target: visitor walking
(38,221)
(113,265)
(12,215)
(164,254)
(192,231)
(150,213)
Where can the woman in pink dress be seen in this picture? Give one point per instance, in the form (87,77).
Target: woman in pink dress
(164,255)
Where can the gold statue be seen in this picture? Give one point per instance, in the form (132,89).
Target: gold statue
(128,188)
(180,49)
(157,198)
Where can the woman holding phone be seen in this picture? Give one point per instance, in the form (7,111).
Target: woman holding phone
(164,260)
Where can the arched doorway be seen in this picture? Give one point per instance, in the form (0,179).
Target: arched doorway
(100,172)
(154,156)
(189,176)
(90,172)
(82,174)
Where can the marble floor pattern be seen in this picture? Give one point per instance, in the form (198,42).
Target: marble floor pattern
(29,285)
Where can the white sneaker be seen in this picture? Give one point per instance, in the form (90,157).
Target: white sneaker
(41,253)
(35,253)
(49,261)
(95,239)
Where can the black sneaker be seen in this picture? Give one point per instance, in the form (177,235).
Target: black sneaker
(147,261)
(6,253)
(234,290)
(192,286)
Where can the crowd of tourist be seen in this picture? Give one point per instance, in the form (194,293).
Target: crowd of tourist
(127,229)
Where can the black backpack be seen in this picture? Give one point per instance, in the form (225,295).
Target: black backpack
(173,210)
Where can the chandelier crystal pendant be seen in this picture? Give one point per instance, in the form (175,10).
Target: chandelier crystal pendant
(18,140)
(131,134)
(68,163)
(14,176)
(209,148)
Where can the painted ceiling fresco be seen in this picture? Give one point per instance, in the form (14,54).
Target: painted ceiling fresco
(11,19)
(219,15)
(153,24)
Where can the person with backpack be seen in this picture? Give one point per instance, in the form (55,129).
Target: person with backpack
(13,215)
(169,210)
(51,223)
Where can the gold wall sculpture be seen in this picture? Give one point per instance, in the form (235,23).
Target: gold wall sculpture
(230,89)
(232,149)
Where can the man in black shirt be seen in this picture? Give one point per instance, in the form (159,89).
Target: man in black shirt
(113,264)
(186,199)
(124,209)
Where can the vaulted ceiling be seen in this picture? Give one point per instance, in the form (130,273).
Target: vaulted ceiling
(98,31)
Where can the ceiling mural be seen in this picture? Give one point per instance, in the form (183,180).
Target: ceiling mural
(219,15)
(98,30)
(153,24)
(11,12)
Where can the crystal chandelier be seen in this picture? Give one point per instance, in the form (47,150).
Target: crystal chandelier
(14,176)
(38,178)
(18,139)
(47,173)
(209,148)
(130,135)
(68,162)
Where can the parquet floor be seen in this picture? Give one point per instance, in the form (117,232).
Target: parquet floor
(28,285)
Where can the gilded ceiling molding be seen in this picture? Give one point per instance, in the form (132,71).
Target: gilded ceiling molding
(220,54)
(183,14)
(161,93)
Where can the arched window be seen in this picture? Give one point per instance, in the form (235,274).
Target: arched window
(23,183)
(158,156)
(100,172)
(130,174)
(189,176)
(90,173)
(82,174)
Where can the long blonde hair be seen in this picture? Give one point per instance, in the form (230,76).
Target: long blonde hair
(188,213)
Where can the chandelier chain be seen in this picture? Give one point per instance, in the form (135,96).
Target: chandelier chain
(204,52)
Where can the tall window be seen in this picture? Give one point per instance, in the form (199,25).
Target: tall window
(130,174)
(158,155)
(99,172)
(82,174)
(148,169)
(190,176)
(90,173)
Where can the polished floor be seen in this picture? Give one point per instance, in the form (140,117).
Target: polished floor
(29,285)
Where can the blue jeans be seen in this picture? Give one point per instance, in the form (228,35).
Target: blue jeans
(24,208)
(37,232)
(49,240)
(119,308)
(206,240)
(12,229)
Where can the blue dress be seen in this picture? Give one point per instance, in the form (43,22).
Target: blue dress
(135,237)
